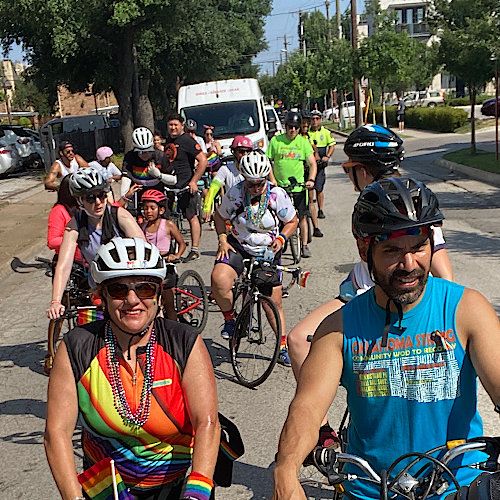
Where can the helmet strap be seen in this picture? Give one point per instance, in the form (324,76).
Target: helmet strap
(355,179)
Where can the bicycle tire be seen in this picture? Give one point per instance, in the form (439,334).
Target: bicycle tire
(245,335)
(191,300)
(294,242)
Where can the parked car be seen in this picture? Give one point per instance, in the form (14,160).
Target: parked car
(348,110)
(331,114)
(273,121)
(9,161)
(424,98)
(488,107)
(25,143)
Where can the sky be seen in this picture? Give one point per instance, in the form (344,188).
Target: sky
(284,19)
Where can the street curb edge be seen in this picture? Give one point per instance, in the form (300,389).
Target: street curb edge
(473,173)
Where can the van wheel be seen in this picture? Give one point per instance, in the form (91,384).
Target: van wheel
(432,105)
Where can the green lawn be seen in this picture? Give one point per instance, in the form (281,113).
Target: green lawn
(489,122)
(482,159)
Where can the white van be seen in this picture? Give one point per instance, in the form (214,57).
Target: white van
(232,107)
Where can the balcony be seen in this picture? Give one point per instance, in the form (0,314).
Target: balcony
(414,29)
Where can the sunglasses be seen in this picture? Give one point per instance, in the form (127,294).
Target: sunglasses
(316,118)
(66,151)
(254,185)
(143,290)
(92,197)
(295,127)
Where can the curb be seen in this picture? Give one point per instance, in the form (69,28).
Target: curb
(473,173)
(21,195)
(337,132)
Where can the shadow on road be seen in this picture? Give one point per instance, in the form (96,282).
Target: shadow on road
(28,355)
(33,407)
(474,244)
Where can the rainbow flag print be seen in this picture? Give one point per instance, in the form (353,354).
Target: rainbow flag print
(213,161)
(140,173)
(88,314)
(103,482)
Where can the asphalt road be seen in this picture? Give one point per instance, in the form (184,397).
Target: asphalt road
(472,230)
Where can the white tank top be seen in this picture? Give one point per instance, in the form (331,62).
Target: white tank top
(73,167)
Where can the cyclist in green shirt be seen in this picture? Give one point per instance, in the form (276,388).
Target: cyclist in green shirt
(322,138)
(288,153)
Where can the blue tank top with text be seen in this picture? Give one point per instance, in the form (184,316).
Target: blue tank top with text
(413,395)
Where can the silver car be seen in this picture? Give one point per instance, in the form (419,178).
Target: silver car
(9,159)
(24,144)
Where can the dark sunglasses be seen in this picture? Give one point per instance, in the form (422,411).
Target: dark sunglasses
(296,127)
(66,151)
(316,118)
(143,290)
(92,197)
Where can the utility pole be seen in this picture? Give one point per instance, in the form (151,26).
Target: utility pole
(274,69)
(327,5)
(285,44)
(337,15)
(354,41)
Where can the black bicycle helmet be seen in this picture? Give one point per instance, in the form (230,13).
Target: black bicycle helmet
(293,118)
(191,125)
(306,116)
(394,204)
(375,145)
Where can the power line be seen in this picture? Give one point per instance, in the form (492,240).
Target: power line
(295,11)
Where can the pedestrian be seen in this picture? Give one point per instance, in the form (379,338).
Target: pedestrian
(67,163)
(400,113)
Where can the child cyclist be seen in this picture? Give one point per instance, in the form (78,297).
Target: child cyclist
(161,232)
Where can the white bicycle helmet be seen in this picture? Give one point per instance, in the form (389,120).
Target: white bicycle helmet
(86,180)
(255,165)
(142,138)
(127,257)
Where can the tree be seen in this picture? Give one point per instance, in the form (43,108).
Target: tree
(28,95)
(125,45)
(468,32)
(386,58)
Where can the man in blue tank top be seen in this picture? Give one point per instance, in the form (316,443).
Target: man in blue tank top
(408,351)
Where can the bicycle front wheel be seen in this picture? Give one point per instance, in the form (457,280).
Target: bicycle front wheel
(191,300)
(294,242)
(54,338)
(256,341)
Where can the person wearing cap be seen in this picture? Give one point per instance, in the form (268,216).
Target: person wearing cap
(191,127)
(322,138)
(103,163)
(67,163)
(408,352)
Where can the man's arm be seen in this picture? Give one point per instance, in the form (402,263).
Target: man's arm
(313,170)
(83,163)
(50,181)
(198,173)
(317,386)
(479,329)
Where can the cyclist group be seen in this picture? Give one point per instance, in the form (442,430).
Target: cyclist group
(405,343)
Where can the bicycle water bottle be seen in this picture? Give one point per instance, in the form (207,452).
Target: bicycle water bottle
(268,255)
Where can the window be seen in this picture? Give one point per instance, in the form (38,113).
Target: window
(419,15)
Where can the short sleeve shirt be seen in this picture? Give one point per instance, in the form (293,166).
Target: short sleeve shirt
(322,139)
(181,152)
(256,237)
(107,172)
(137,168)
(289,157)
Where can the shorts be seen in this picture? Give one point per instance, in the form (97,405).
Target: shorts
(319,183)
(235,259)
(187,203)
(171,277)
(400,117)
(300,203)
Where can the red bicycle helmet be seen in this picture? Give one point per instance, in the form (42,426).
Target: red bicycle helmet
(153,195)
(242,142)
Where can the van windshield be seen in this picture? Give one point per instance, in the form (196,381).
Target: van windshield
(227,118)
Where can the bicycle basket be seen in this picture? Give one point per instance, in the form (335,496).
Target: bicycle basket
(265,278)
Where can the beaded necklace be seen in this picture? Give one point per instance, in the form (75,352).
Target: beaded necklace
(138,418)
(256,217)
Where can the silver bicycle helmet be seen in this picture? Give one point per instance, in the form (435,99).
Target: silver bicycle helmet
(86,180)
(127,257)
(191,125)
(255,165)
(142,139)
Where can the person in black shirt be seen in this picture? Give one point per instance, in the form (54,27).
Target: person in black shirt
(183,152)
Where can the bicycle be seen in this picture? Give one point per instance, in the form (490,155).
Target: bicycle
(191,299)
(433,478)
(254,347)
(295,240)
(176,214)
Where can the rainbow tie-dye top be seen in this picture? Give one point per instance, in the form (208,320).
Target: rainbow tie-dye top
(160,451)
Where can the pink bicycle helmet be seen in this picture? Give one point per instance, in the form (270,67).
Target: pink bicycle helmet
(103,152)
(242,142)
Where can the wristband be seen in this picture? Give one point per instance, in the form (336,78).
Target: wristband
(197,487)
(222,236)
(284,237)
(55,302)
(126,199)
(280,238)
(311,180)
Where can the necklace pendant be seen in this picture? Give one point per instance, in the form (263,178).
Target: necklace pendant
(134,379)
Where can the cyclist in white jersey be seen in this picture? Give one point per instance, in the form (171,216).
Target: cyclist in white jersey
(68,163)
(374,152)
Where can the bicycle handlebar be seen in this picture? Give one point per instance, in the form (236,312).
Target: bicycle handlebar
(326,460)
(175,191)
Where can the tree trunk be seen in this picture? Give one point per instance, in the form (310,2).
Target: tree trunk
(123,90)
(472,93)
(144,116)
(384,114)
